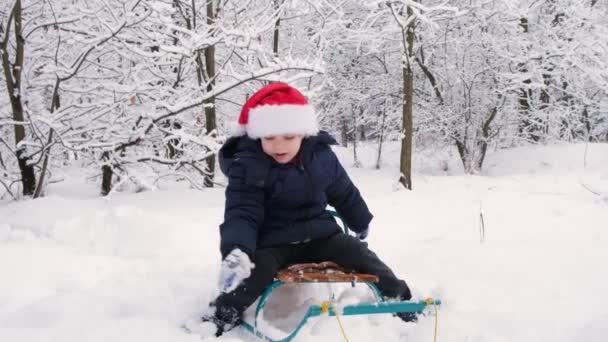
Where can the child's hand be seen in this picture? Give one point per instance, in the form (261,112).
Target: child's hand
(236,267)
(363,234)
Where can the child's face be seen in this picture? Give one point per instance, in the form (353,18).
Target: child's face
(282,148)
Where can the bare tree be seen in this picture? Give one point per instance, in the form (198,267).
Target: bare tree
(406,14)
(407,27)
(12,76)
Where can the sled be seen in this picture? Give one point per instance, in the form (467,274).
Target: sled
(329,272)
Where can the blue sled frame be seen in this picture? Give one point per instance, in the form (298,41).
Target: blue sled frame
(380,307)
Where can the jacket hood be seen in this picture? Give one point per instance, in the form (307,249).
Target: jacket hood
(245,146)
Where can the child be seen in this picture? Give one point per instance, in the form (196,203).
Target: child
(282,174)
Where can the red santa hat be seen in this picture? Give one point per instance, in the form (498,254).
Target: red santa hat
(276,109)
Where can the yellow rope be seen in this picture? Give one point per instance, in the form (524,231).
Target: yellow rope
(326,305)
(325,309)
(430,301)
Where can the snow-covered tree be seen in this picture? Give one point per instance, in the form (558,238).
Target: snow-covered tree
(138,91)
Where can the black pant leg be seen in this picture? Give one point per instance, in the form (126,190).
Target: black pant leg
(351,253)
(268,261)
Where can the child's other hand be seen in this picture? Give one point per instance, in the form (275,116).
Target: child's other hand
(363,234)
(236,267)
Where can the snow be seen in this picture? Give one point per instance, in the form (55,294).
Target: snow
(135,267)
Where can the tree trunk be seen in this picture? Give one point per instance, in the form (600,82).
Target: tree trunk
(462,152)
(344,132)
(106,175)
(2,165)
(275,37)
(381,136)
(55,103)
(587,123)
(482,144)
(210,117)
(407,114)
(528,126)
(13,86)
(355,157)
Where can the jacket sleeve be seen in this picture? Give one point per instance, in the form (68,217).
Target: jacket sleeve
(344,196)
(243,214)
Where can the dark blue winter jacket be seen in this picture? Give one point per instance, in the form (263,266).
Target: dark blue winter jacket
(268,203)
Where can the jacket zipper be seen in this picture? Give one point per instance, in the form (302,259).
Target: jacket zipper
(308,184)
(309,195)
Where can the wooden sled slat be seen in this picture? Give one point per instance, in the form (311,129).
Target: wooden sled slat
(327,271)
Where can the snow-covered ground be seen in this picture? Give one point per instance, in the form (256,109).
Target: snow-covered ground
(135,267)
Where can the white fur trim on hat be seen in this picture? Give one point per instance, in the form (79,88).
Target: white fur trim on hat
(282,119)
(237,130)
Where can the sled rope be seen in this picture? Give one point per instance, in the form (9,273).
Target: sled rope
(430,301)
(325,309)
